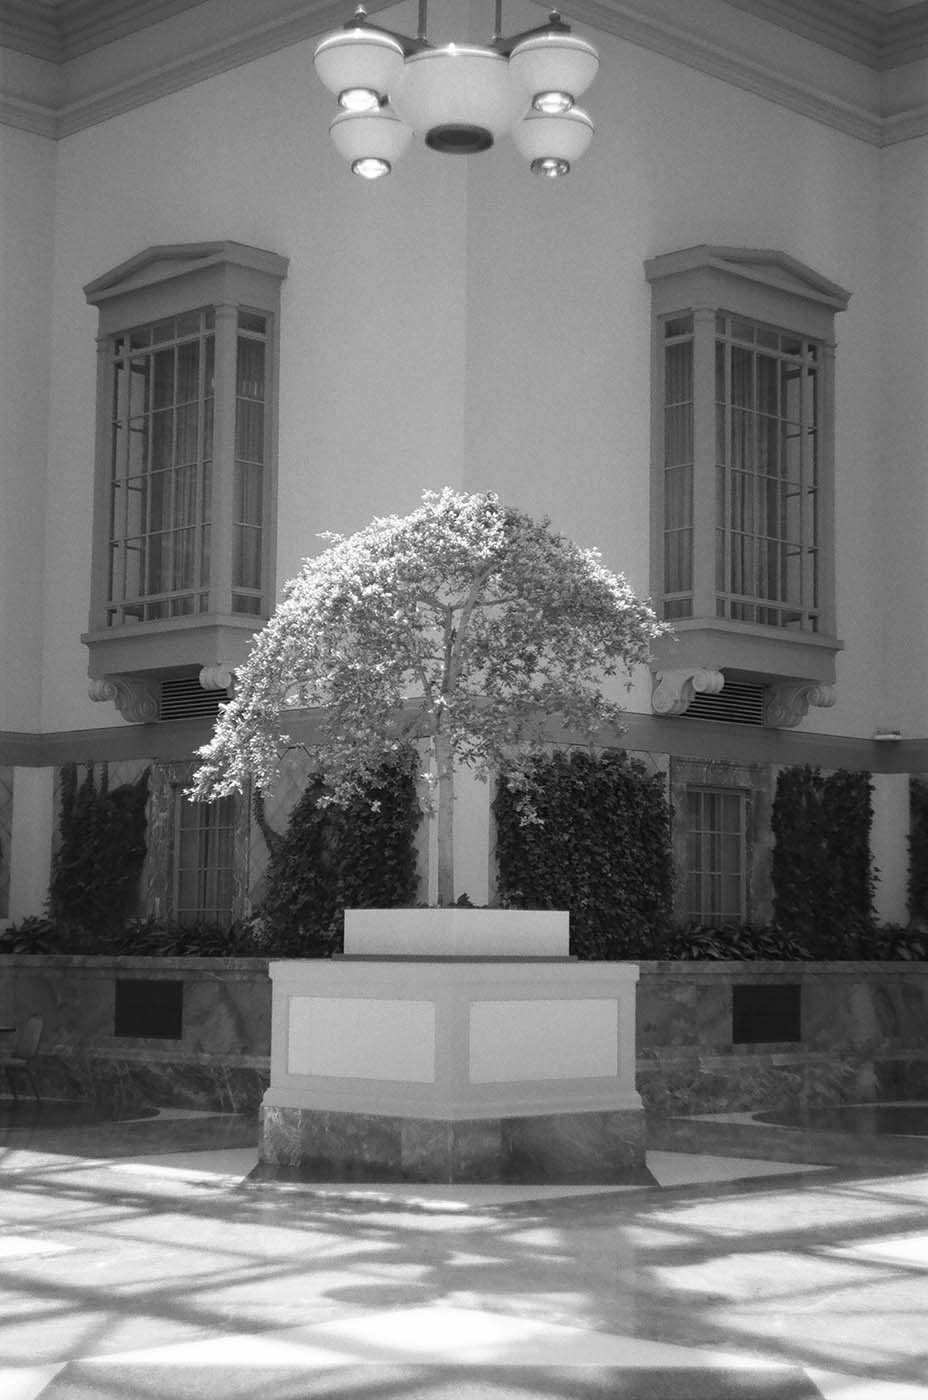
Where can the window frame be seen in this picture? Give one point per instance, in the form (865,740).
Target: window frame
(161,283)
(772,290)
(214,827)
(755,782)
(703,835)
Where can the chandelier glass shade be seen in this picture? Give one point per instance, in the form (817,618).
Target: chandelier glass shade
(461,98)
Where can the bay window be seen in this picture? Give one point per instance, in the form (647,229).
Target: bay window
(184,502)
(743,463)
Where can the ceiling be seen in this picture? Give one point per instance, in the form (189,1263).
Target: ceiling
(879,33)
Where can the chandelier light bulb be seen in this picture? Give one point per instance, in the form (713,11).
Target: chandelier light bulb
(371,167)
(359,99)
(551,167)
(553,103)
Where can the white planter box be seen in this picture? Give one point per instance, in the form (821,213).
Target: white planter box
(457,933)
(454,1068)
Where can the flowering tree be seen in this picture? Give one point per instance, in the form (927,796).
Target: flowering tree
(466,624)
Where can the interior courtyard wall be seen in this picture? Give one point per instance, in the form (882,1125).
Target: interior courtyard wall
(902,354)
(27,218)
(559,358)
(371,367)
(464,323)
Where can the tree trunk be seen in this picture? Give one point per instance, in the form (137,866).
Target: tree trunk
(445,776)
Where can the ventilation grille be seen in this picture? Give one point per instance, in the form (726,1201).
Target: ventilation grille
(183,697)
(738,703)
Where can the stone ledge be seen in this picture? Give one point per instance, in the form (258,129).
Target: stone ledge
(603,1148)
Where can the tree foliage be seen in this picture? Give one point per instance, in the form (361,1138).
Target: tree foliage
(599,846)
(466,624)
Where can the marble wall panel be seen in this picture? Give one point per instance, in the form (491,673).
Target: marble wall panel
(681,1010)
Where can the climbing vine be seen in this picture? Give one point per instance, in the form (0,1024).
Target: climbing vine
(600,848)
(335,856)
(918,850)
(823,879)
(98,863)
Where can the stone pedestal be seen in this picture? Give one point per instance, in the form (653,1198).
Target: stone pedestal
(450,1068)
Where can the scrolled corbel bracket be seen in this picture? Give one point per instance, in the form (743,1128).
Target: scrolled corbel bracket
(137,700)
(672,692)
(789,702)
(218,677)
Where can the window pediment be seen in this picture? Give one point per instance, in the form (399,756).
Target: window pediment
(768,266)
(166,262)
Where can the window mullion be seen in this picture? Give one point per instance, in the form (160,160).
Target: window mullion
(759,580)
(199,469)
(806,473)
(704,454)
(223,472)
(726,521)
(121,460)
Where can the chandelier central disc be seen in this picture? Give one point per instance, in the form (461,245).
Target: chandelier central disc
(459,139)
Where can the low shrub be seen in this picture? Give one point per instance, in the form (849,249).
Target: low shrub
(739,942)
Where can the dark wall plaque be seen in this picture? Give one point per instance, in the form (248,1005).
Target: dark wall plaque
(765,1012)
(149,1008)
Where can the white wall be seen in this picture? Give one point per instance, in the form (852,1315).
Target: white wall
(558,347)
(27,192)
(463,322)
(903,463)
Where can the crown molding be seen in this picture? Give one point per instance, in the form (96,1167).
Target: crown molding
(881,39)
(25,115)
(80,97)
(59,30)
(655,31)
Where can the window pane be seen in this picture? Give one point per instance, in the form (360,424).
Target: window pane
(249,431)
(188,371)
(250,376)
(767,415)
(162,452)
(204,860)
(715,855)
(678,473)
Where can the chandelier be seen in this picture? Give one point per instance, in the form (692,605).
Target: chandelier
(460,97)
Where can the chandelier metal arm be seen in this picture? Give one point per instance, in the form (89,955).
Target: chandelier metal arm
(409,44)
(505,44)
(500,43)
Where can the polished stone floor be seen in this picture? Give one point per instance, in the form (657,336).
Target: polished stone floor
(138,1261)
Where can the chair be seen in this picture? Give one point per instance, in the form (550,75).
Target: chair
(21,1054)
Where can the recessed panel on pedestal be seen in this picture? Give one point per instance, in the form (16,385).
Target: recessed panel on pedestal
(362,1038)
(530,1040)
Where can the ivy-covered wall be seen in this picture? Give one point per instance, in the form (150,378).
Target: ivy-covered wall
(334,857)
(98,859)
(599,846)
(918,851)
(6,833)
(822,871)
